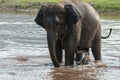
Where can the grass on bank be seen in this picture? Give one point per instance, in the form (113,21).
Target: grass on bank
(32,3)
(37,0)
(105,5)
(100,5)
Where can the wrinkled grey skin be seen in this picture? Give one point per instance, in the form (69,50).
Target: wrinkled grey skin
(74,27)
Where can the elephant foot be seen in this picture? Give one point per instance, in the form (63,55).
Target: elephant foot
(70,66)
(99,63)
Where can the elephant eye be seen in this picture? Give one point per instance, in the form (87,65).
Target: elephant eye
(59,18)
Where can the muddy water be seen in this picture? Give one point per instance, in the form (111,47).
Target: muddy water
(24,53)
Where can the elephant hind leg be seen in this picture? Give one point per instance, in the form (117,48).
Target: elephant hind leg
(82,57)
(96,48)
(78,57)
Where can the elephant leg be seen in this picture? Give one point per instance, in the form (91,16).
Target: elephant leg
(82,56)
(59,50)
(70,46)
(96,48)
(71,42)
(78,57)
(69,56)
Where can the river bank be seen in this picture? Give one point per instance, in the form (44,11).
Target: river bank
(32,7)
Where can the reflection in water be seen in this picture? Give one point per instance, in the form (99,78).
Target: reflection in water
(24,53)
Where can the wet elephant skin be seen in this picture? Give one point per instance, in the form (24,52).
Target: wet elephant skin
(73,26)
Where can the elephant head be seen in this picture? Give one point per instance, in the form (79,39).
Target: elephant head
(56,20)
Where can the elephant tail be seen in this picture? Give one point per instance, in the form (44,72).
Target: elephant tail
(107,35)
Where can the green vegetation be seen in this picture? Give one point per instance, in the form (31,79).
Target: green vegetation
(100,5)
(25,4)
(37,0)
(106,7)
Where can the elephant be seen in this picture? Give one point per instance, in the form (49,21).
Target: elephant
(72,26)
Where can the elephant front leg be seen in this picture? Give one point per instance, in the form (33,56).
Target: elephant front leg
(59,50)
(70,46)
(70,43)
(69,56)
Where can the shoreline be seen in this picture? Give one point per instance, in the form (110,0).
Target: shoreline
(35,11)
(32,8)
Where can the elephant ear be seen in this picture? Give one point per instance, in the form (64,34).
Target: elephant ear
(72,16)
(39,17)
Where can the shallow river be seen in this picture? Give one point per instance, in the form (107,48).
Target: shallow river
(24,53)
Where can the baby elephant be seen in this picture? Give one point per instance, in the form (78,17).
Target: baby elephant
(73,26)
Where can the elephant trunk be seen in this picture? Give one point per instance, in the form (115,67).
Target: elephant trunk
(51,38)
